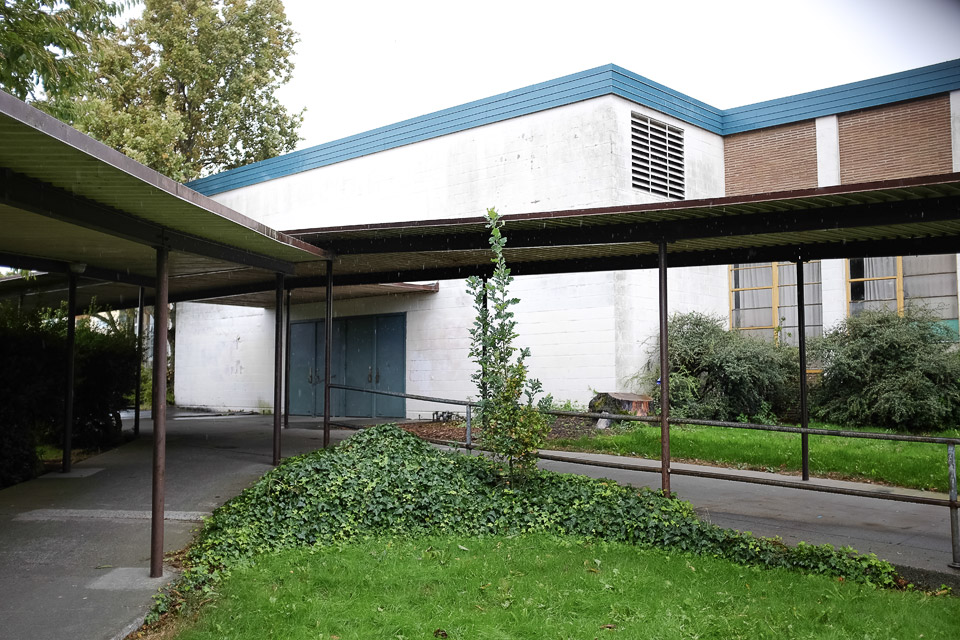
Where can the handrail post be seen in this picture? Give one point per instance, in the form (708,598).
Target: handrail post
(469,435)
(954,518)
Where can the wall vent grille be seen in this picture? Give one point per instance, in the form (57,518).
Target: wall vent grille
(657,157)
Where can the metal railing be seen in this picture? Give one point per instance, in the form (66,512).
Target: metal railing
(951,503)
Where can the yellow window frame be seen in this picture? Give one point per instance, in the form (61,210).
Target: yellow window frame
(898,277)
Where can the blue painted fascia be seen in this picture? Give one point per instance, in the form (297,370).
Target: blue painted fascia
(896,87)
(605,80)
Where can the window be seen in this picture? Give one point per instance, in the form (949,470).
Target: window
(657,157)
(897,283)
(763,300)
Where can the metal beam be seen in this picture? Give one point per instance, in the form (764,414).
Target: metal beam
(286,366)
(664,375)
(20,261)
(161,317)
(137,399)
(36,196)
(69,376)
(717,225)
(802,342)
(277,369)
(327,354)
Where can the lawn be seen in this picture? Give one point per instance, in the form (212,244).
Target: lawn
(548,587)
(906,464)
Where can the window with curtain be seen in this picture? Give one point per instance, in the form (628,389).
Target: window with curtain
(898,283)
(763,300)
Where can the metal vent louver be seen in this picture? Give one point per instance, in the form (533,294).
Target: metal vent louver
(657,157)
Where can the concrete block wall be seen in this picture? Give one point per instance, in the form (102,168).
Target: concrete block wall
(562,158)
(224,357)
(585,331)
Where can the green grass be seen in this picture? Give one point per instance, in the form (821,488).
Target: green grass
(906,464)
(547,587)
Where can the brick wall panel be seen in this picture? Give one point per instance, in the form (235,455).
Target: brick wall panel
(895,141)
(775,159)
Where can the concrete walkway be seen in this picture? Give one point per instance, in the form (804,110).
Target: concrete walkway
(74,549)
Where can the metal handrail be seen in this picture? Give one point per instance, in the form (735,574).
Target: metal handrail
(952,503)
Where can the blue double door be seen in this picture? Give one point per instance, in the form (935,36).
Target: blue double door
(368,352)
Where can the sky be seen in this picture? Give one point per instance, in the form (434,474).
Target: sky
(367,63)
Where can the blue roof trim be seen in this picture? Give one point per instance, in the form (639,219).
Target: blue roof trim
(605,80)
(916,83)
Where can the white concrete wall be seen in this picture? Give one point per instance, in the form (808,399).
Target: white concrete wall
(556,159)
(585,331)
(224,357)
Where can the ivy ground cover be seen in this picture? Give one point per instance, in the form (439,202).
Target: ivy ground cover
(385,486)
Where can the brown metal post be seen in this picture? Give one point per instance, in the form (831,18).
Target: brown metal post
(327,354)
(277,369)
(161,317)
(664,376)
(137,398)
(286,366)
(486,330)
(802,341)
(68,380)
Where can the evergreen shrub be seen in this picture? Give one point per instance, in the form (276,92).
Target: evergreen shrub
(887,370)
(32,379)
(716,374)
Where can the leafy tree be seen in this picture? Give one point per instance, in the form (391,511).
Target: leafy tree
(513,428)
(188,88)
(46,46)
(887,370)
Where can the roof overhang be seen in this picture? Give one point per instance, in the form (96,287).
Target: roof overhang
(71,204)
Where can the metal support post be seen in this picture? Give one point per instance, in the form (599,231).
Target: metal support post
(664,376)
(483,347)
(68,379)
(802,341)
(277,369)
(137,397)
(469,434)
(954,522)
(286,367)
(327,354)
(161,318)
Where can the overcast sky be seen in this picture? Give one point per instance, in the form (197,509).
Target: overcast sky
(365,64)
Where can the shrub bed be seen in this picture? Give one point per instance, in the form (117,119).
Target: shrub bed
(386,482)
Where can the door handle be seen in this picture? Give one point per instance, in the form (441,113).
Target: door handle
(310,376)
(378,376)
(370,374)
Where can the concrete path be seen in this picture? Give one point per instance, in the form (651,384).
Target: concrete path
(74,549)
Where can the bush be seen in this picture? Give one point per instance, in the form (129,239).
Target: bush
(886,370)
(386,482)
(717,374)
(33,350)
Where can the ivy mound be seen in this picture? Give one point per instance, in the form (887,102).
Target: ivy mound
(386,482)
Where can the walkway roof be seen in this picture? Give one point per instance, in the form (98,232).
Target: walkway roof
(68,202)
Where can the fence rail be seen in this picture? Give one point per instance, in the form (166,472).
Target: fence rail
(952,502)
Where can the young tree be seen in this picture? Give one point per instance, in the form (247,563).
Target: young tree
(46,46)
(513,429)
(188,88)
